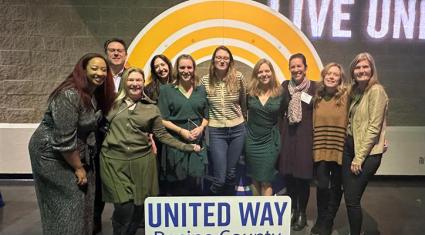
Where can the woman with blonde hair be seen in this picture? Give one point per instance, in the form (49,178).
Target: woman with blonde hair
(226,94)
(365,141)
(329,127)
(128,166)
(184,109)
(263,137)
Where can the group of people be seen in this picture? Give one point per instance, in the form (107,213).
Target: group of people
(104,125)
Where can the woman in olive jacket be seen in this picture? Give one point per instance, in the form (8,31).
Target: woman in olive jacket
(364,144)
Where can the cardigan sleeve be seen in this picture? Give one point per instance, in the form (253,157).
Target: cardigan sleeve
(163,102)
(205,111)
(242,96)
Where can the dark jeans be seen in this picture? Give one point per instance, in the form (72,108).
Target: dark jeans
(329,191)
(355,185)
(99,205)
(225,148)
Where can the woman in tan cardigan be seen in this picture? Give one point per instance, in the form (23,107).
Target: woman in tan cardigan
(364,144)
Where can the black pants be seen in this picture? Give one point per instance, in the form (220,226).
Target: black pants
(355,185)
(299,191)
(99,205)
(126,218)
(329,191)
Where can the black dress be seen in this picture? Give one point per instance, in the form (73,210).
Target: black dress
(296,151)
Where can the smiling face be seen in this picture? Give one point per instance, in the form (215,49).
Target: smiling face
(134,85)
(185,70)
(116,54)
(221,60)
(96,72)
(264,74)
(332,78)
(362,72)
(161,68)
(297,69)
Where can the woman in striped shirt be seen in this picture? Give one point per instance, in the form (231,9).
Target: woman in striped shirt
(329,125)
(226,94)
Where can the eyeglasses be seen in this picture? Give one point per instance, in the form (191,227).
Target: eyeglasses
(220,58)
(112,50)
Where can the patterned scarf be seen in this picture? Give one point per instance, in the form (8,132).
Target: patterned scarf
(294,108)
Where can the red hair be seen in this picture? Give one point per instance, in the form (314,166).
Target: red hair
(104,94)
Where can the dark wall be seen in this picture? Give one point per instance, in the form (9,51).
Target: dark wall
(41,40)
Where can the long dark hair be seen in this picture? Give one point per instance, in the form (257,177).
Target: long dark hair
(104,94)
(152,89)
(298,56)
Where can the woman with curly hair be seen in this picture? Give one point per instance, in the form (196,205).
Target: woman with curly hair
(329,127)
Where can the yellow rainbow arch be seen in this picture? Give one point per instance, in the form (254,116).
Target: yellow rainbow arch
(250,29)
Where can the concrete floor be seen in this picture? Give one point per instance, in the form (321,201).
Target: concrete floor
(390,206)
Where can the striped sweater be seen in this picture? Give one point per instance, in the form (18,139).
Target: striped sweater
(226,109)
(329,124)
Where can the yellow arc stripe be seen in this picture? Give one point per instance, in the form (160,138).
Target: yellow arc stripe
(233,33)
(234,10)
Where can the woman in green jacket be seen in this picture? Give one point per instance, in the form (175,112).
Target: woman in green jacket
(128,166)
(364,144)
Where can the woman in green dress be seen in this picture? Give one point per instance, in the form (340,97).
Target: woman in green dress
(184,109)
(160,74)
(127,163)
(263,138)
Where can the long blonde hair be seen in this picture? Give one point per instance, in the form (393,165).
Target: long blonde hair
(374,76)
(122,92)
(232,85)
(341,89)
(253,84)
